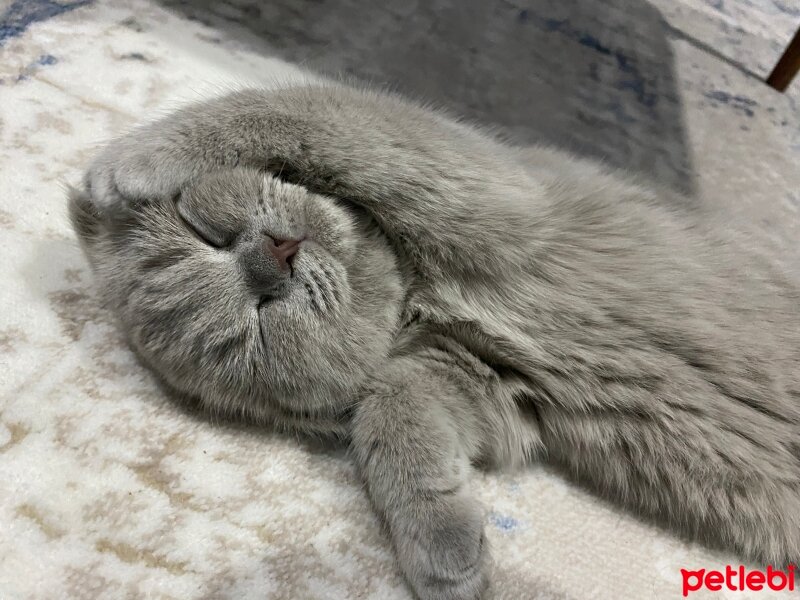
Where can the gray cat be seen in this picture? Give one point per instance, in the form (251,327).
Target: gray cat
(344,262)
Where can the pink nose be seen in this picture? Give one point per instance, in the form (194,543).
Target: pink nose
(282,251)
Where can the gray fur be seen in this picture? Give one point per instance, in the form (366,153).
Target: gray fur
(459,301)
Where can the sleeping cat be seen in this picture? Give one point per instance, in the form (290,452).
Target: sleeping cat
(341,261)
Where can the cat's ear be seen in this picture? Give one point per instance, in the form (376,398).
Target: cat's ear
(84,214)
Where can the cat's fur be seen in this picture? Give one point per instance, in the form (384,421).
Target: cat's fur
(457,300)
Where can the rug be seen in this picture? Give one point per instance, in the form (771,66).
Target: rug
(108,489)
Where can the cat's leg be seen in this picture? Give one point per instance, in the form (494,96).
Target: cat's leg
(428,180)
(414,436)
(716,469)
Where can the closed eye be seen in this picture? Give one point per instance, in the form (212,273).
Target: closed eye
(201,229)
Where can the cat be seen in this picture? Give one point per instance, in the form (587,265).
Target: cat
(342,261)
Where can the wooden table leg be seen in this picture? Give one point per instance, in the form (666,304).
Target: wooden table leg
(787,66)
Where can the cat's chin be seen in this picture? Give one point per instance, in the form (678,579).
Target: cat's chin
(326,418)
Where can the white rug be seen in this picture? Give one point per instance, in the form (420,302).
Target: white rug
(108,490)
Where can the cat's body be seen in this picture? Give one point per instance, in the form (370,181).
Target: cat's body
(482,303)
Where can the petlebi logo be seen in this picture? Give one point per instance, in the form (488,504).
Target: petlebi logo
(738,579)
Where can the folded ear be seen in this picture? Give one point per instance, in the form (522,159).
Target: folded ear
(84,214)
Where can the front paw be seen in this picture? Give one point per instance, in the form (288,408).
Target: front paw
(442,548)
(100,184)
(130,171)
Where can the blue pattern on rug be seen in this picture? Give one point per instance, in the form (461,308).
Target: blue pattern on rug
(22,13)
(503,522)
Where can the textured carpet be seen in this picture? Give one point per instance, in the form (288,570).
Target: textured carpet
(109,490)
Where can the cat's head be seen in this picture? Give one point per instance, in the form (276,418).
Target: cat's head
(253,295)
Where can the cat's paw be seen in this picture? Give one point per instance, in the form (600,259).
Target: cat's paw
(100,184)
(442,548)
(130,171)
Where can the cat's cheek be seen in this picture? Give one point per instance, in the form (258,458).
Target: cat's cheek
(331,227)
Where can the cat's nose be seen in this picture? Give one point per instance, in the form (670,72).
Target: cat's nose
(282,251)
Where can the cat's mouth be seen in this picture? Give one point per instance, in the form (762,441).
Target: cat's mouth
(313,288)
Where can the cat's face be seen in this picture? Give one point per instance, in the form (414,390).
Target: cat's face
(253,295)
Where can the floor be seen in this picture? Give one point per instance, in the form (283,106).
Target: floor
(109,490)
